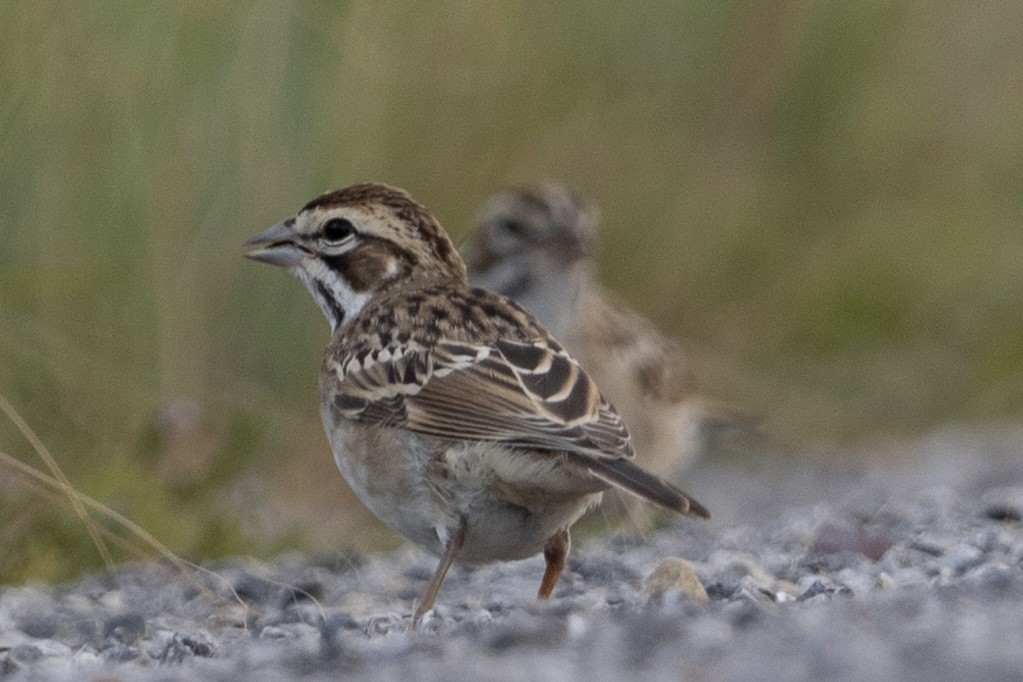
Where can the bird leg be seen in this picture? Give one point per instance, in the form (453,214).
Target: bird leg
(554,552)
(454,546)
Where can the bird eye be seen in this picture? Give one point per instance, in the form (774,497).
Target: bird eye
(512,226)
(338,229)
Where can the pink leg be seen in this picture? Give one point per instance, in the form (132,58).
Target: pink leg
(554,552)
(450,552)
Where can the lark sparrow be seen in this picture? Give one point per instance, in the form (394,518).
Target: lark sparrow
(536,245)
(454,416)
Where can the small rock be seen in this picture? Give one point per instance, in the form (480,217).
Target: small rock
(302,612)
(926,547)
(733,569)
(8,666)
(339,622)
(985,540)
(183,647)
(254,590)
(25,653)
(39,627)
(1002,513)
(50,647)
(157,643)
(753,591)
(273,632)
(311,590)
(784,597)
(834,538)
(962,557)
(674,574)
(884,581)
(85,655)
(723,589)
(231,614)
(1004,503)
(125,628)
(121,653)
(388,622)
(743,611)
(818,588)
(994,579)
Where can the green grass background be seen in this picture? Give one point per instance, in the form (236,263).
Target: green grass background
(824,201)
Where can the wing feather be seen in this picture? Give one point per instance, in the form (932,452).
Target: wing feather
(526,394)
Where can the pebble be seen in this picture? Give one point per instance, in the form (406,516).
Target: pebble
(1004,503)
(674,574)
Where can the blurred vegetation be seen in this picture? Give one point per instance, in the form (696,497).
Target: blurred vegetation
(823,200)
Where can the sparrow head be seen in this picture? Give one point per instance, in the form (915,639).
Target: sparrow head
(349,244)
(544,223)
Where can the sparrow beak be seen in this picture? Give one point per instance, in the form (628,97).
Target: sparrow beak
(276,246)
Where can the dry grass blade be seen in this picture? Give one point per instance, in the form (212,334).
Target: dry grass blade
(58,485)
(80,502)
(47,492)
(184,566)
(59,479)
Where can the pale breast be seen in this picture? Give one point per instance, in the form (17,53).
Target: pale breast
(511,501)
(514,499)
(387,469)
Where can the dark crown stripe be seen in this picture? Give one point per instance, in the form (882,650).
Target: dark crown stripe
(361,193)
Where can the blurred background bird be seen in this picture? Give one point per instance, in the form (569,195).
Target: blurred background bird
(537,244)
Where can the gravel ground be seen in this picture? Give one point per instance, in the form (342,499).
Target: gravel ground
(908,571)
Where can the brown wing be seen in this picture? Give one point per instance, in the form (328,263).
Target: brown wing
(525,394)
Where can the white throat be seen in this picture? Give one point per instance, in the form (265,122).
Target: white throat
(335,296)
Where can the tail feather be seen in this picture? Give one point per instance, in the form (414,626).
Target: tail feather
(622,473)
